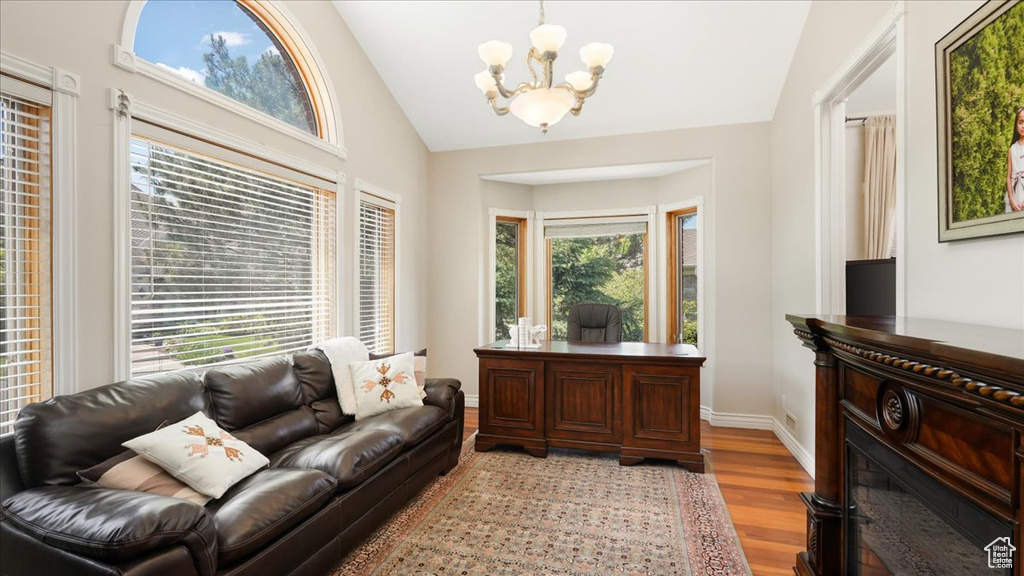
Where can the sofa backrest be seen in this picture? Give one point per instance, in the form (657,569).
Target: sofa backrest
(314,372)
(260,402)
(57,438)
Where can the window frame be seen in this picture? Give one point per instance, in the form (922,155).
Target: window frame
(126,111)
(673,269)
(376,195)
(65,89)
(667,213)
(526,251)
(303,54)
(651,242)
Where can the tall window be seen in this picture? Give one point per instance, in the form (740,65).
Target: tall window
(509,273)
(228,48)
(683,279)
(25,314)
(376,273)
(598,262)
(229,261)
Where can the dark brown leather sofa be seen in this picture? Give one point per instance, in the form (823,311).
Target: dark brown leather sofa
(331,480)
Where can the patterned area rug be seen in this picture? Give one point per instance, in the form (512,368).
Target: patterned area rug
(506,512)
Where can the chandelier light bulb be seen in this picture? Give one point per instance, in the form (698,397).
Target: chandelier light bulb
(485,82)
(542,108)
(495,52)
(579,80)
(596,54)
(547,38)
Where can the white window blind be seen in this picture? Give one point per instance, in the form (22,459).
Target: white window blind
(227,262)
(594,227)
(376,275)
(25,313)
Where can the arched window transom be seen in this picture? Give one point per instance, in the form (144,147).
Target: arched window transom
(225,46)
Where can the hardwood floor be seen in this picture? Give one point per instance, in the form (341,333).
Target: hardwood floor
(760,481)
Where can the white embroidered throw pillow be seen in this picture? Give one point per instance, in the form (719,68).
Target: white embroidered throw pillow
(419,366)
(200,454)
(385,384)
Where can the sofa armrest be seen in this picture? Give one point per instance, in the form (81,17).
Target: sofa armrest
(441,393)
(113,525)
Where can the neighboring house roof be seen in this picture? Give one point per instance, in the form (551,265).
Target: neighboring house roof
(690,246)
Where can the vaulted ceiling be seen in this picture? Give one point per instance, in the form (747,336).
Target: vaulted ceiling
(676,64)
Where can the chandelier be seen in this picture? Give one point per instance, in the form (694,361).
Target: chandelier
(539,103)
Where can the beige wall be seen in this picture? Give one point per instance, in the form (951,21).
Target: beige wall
(954,281)
(740,232)
(628,193)
(832,31)
(383,149)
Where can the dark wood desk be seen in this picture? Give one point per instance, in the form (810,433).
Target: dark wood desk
(639,400)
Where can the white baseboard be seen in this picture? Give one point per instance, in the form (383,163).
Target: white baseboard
(805,458)
(728,420)
(473,400)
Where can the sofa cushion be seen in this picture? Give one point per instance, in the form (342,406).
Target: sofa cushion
(264,506)
(411,424)
(350,458)
(314,372)
(247,393)
(328,415)
(113,525)
(276,432)
(57,438)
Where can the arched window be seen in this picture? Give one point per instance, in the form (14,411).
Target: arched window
(231,48)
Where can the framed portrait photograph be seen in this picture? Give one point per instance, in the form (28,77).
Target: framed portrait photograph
(980,91)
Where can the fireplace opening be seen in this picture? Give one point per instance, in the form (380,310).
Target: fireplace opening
(901,522)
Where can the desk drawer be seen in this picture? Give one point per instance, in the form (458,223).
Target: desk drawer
(583,401)
(661,407)
(512,397)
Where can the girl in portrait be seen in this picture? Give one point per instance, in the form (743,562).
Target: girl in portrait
(1015,166)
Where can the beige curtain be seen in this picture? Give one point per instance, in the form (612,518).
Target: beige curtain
(880,185)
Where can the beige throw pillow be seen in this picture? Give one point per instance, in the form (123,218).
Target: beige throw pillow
(129,471)
(200,454)
(385,384)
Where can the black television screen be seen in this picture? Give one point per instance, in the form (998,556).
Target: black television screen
(871,287)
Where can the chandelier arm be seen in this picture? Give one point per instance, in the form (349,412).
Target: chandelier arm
(587,93)
(549,69)
(531,55)
(575,110)
(499,110)
(505,92)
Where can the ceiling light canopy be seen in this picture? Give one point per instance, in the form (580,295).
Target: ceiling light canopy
(538,103)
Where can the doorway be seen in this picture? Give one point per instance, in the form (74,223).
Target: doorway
(868,89)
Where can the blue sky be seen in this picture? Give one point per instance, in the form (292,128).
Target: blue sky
(175,34)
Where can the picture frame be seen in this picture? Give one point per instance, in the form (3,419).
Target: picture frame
(979,95)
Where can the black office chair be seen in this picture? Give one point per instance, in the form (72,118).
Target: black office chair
(595,323)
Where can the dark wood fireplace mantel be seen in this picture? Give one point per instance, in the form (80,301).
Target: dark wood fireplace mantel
(944,402)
